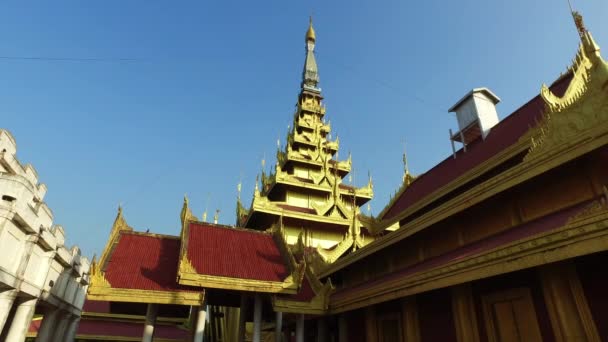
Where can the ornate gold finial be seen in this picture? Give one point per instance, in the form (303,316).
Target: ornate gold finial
(580,25)
(186,214)
(310,34)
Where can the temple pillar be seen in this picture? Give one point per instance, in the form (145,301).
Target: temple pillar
(211,314)
(199,328)
(7,298)
(71,329)
(465,318)
(371,332)
(321,329)
(300,328)
(21,320)
(242,318)
(343,328)
(48,325)
(278,327)
(60,326)
(411,327)
(151,313)
(566,303)
(257,318)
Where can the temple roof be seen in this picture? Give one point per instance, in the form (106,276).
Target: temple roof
(235,253)
(138,267)
(506,133)
(145,262)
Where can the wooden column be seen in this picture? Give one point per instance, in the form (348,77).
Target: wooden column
(21,320)
(321,329)
(465,317)
(342,328)
(151,313)
(411,327)
(371,331)
(278,327)
(565,300)
(257,318)
(242,317)
(300,328)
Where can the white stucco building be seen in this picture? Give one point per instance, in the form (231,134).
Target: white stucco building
(39,275)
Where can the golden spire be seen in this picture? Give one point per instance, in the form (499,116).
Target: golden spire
(310,34)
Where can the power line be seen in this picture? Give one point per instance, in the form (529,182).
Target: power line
(68,59)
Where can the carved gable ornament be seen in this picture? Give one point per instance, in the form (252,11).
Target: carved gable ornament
(582,112)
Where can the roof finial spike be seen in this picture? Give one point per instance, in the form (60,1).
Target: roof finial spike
(310,74)
(216,216)
(578,21)
(406,169)
(310,34)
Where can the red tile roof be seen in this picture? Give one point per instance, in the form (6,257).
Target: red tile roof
(145,262)
(526,230)
(506,133)
(235,253)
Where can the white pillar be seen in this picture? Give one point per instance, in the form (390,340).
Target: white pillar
(150,321)
(342,329)
(201,318)
(21,320)
(242,317)
(257,318)
(60,326)
(48,325)
(72,327)
(300,328)
(278,327)
(321,329)
(6,303)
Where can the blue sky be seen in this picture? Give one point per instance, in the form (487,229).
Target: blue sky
(213,84)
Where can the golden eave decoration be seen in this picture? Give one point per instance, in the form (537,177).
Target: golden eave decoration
(318,305)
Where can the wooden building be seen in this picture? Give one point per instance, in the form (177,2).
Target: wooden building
(503,241)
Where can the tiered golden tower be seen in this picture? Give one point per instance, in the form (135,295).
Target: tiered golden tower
(305,194)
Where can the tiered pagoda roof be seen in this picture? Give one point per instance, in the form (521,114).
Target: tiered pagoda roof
(306,189)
